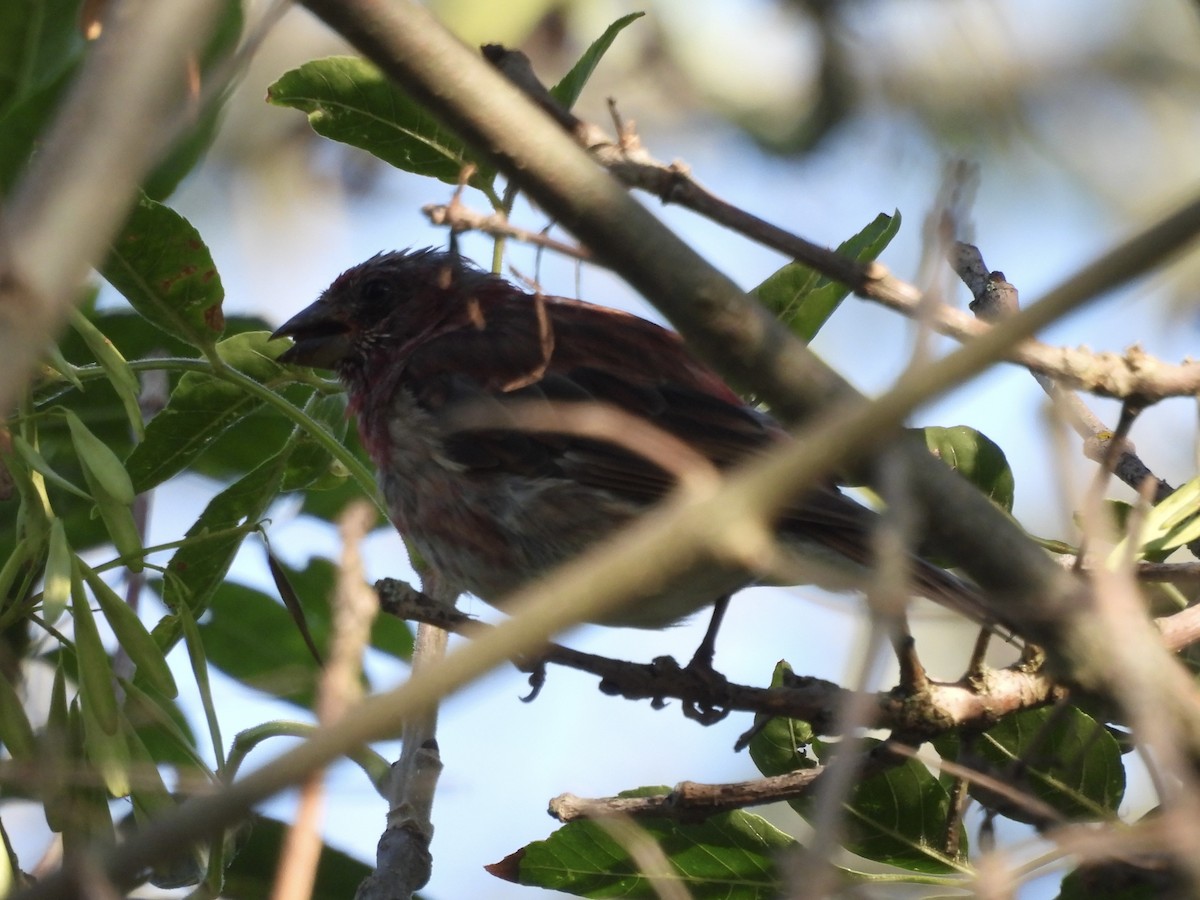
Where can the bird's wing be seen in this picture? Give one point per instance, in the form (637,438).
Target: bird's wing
(577,353)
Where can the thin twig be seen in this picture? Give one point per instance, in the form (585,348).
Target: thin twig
(994,299)
(458,217)
(354,608)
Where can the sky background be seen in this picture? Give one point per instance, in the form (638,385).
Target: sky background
(1082,117)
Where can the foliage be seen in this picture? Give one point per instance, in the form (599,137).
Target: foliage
(84,452)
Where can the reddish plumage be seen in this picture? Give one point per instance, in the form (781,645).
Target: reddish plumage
(418,337)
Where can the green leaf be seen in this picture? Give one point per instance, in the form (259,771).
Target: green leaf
(252,873)
(56,584)
(349,100)
(89,819)
(977,458)
(311,465)
(39,41)
(143,651)
(22,122)
(107,751)
(283,667)
(567,91)
(110,486)
(124,383)
(730,856)
(15,731)
(897,817)
(198,657)
(163,268)
(1061,756)
(780,746)
(1170,524)
(106,473)
(148,792)
(162,727)
(198,567)
(54,766)
(201,409)
(803,299)
(38,463)
(95,668)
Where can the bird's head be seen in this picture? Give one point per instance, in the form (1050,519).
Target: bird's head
(384,303)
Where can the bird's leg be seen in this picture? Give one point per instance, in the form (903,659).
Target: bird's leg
(707,711)
(702,659)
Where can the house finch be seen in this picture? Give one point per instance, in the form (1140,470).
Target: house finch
(418,337)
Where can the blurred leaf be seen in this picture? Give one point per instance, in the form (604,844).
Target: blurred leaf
(95,668)
(15,731)
(728,856)
(163,268)
(1122,878)
(349,100)
(977,458)
(90,822)
(39,41)
(253,871)
(1067,760)
(511,22)
(54,756)
(567,91)
(22,122)
(107,751)
(803,299)
(328,502)
(148,792)
(40,48)
(200,409)
(1168,525)
(188,150)
(56,583)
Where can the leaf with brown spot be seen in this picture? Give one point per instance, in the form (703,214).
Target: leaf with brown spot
(162,266)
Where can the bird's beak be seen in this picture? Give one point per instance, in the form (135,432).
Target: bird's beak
(322,338)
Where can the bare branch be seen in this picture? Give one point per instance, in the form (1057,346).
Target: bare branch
(458,218)
(976,701)
(995,299)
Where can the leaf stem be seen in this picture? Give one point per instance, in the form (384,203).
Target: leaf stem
(268,394)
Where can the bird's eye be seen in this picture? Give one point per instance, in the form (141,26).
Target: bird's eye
(376,296)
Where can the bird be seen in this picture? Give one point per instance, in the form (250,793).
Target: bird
(422,338)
